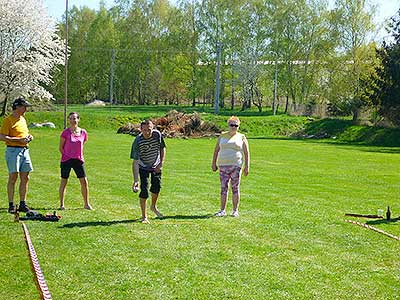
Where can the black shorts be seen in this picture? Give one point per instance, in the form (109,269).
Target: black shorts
(144,183)
(75,164)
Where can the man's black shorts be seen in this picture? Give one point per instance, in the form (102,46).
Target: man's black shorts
(155,179)
(75,164)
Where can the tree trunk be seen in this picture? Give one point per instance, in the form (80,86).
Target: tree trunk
(233,97)
(3,111)
(222,87)
(140,96)
(356,113)
(286,104)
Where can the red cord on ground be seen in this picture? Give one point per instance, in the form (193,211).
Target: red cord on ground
(39,277)
(374,229)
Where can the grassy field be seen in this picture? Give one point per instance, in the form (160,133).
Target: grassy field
(290,242)
(111,117)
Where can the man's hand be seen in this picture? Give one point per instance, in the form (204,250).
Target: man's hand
(135,186)
(158,168)
(26,139)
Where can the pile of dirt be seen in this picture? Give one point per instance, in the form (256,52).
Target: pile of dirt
(177,124)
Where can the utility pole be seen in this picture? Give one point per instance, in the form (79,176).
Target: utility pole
(275,101)
(66,64)
(112,76)
(276,85)
(217,80)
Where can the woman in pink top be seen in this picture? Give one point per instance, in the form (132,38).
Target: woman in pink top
(72,140)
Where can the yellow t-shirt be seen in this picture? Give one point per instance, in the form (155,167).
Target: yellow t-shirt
(15,127)
(231,149)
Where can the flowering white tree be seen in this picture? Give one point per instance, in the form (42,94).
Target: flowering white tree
(29,49)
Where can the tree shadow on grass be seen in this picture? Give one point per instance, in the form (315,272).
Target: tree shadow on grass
(352,134)
(378,149)
(364,147)
(346,133)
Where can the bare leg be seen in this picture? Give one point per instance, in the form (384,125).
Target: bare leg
(236,201)
(61,191)
(85,192)
(153,207)
(223,201)
(12,179)
(143,208)
(23,185)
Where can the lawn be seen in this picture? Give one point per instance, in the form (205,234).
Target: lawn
(290,242)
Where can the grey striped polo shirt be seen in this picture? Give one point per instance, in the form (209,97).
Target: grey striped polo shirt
(147,151)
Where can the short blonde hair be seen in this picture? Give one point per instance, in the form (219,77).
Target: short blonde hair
(235,119)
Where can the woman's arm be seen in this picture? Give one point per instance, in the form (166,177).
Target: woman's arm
(215,155)
(62,144)
(246,152)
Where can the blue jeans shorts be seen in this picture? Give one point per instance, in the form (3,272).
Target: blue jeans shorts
(18,160)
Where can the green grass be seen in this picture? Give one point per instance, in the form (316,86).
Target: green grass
(344,131)
(254,123)
(290,242)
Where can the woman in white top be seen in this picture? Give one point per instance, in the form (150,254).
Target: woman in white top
(231,151)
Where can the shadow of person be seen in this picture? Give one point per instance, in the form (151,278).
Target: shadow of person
(114,222)
(98,223)
(3,209)
(186,217)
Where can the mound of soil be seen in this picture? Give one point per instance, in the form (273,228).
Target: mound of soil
(177,124)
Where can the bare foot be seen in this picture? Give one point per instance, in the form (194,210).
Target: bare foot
(157,212)
(88,207)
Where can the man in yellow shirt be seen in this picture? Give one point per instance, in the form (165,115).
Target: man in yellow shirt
(14,131)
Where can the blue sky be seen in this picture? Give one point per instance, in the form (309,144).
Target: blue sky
(386,8)
(56,8)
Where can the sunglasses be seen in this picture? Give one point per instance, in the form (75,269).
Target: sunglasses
(233,125)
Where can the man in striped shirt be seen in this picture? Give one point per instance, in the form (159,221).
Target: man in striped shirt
(148,154)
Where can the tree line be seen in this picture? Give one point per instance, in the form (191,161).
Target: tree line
(272,54)
(156,52)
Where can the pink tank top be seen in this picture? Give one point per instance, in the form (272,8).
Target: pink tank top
(73,147)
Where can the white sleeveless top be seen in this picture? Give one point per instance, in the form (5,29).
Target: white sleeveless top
(230,150)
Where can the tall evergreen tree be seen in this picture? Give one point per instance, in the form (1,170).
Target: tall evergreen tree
(386,88)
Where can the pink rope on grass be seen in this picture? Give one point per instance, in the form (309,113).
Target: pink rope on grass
(374,229)
(39,277)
